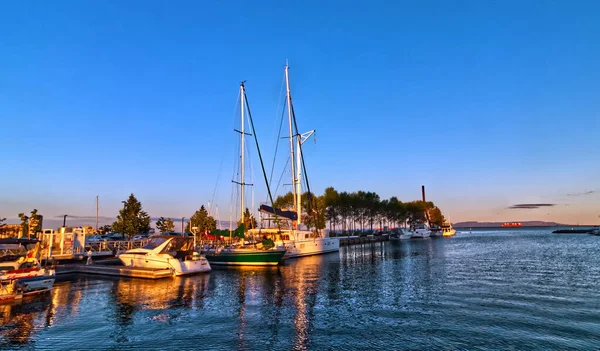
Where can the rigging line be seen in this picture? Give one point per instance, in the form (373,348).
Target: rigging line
(310,195)
(277,141)
(282,174)
(280,124)
(259,154)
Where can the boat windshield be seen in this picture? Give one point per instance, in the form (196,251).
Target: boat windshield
(154,243)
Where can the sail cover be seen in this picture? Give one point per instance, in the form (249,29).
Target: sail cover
(278,212)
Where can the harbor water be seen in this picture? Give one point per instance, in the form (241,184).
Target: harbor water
(517,289)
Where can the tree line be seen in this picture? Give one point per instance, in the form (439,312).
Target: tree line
(360,210)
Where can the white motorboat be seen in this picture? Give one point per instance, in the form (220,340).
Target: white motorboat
(400,234)
(21,272)
(420,231)
(167,252)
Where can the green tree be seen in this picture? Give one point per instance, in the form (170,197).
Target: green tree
(284,201)
(331,202)
(165,225)
(249,220)
(435,216)
(201,221)
(132,220)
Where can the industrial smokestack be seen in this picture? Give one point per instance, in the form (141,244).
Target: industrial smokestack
(423,192)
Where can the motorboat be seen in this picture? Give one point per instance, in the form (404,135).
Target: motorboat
(400,234)
(21,272)
(420,231)
(167,252)
(447,229)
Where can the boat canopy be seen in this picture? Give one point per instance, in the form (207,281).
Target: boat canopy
(278,212)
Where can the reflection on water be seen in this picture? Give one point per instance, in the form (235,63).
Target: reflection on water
(528,290)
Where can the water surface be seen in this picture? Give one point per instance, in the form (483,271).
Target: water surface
(486,290)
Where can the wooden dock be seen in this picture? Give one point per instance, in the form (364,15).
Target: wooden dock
(114,270)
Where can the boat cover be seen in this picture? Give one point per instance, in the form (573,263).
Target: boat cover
(278,212)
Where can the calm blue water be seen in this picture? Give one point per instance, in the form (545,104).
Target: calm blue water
(488,290)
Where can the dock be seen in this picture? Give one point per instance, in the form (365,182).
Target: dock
(114,270)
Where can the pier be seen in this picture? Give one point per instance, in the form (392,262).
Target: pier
(114,270)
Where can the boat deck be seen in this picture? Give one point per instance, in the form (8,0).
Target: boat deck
(113,270)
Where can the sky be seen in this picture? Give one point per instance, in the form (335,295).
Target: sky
(487,104)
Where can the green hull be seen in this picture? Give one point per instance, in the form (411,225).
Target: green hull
(246,258)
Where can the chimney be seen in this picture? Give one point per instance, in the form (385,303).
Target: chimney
(423,192)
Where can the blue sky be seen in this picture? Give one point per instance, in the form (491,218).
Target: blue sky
(487,104)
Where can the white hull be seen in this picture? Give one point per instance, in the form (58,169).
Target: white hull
(420,234)
(309,247)
(163,262)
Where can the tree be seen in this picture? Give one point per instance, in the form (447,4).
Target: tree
(132,220)
(284,201)
(165,225)
(2,225)
(35,222)
(331,202)
(105,229)
(24,224)
(202,221)
(436,217)
(249,220)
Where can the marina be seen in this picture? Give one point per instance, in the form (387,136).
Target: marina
(409,294)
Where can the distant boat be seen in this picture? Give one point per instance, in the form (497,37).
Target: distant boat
(512,224)
(447,229)
(400,234)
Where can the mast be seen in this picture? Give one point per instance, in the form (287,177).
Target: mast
(96,213)
(292,153)
(242,93)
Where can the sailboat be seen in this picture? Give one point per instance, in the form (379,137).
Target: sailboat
(242,254)
(296,241)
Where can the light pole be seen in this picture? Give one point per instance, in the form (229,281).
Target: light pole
(182,220)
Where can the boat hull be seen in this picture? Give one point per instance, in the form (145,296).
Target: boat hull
(178,267)
(309,247)
(449,233)
(245,258)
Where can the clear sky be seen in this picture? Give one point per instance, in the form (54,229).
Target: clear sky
(487,103)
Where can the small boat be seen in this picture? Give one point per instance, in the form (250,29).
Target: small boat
(400,234)
(420,231)
(447,229)
(21,272)
(167,252)
(436,231)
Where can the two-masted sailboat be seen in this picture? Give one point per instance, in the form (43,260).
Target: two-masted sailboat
(296,241)
(240,254)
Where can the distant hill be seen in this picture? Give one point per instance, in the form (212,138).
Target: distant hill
(475,224)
